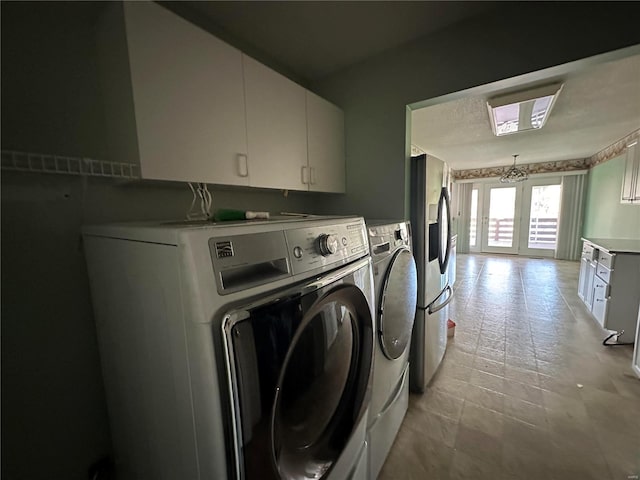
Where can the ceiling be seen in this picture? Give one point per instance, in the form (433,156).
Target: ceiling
(316,38)
(595,108)
(312,39)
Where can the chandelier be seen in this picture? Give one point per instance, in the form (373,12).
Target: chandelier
(514,174)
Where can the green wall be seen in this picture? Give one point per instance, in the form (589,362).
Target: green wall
(605,216)
(54,419)
(54,416)
(485,49)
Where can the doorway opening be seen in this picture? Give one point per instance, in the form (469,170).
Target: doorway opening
(518,218)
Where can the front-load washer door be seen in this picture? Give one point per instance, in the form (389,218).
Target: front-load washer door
(397,304)
(301,380)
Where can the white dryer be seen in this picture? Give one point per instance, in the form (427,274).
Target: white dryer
(240,350)
(396,285)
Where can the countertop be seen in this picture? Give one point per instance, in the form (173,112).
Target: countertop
(615,245)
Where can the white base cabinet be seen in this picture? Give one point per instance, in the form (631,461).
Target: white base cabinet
(608,285)
(635,364)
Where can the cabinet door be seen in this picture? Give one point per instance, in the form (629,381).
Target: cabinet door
(600,301)
(631,178)
(325,126)
(188,98)
(276,128)
(588,286)
(636,349)
(584,264)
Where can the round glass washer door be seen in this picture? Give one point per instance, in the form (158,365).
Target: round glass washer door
(322,385)
(397,308)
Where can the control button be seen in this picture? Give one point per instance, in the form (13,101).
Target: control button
(344,241)
(297,252)
(327,244)
(401,234)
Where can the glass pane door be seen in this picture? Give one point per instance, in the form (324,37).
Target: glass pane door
(475,223)
(540,215)
(501,219)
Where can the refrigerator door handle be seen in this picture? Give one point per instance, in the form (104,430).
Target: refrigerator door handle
(443,254)
(431,309)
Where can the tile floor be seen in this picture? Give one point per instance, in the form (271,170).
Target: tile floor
(526,389)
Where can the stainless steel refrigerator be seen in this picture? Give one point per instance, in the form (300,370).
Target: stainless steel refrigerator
(431,235)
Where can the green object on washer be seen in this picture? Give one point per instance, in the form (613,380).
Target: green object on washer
(227,215)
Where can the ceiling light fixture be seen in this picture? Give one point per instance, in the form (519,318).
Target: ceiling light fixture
(521,111)
(514,174)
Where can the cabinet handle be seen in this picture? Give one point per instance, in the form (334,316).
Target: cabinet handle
(243,166)
(312,176)
(305,176)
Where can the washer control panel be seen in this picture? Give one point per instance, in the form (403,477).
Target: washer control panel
(243,260)
(386,237)
(315,247)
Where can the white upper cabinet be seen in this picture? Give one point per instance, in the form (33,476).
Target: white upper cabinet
(276,128)
(325,128)
(631,178)
(176,106)
(185,106)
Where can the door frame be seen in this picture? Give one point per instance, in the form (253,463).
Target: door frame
(477,248)
(523,196)
(523,240)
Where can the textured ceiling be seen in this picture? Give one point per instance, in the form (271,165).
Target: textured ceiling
(596,107)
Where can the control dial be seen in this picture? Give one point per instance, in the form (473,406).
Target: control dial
(327,244)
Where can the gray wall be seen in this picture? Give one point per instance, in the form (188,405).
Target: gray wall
(516,39)
(54,419)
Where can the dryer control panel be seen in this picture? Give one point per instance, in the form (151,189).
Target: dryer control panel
(322,246)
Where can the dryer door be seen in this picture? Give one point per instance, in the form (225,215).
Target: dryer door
(302,366)
(397,307)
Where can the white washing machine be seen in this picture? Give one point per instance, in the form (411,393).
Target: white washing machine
(396,285)
(239,350)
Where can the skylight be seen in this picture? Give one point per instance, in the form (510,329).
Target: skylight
(521,111)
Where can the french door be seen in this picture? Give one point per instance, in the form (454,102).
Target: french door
(501,218)
(540,217)
(519,218)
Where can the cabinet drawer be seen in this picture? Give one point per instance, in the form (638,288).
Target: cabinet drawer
(603,272)
(606,259)
(589,252)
